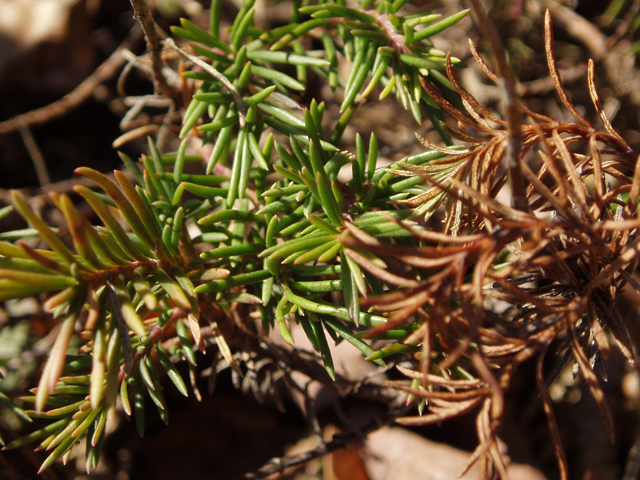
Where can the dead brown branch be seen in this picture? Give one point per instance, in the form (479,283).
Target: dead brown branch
(154,47)
(564,255)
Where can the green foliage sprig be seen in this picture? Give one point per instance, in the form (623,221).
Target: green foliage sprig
(138,294)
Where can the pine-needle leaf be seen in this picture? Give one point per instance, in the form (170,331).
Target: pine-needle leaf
(287,58)
(323,346)
(52,428)
(138,408)
(282,323)
(196,34)
(123,204)
(234,281)
(55,364)
(172,371)
(173,289)
(279,77)
(110,222)
(440,26)
(6,401)
(341,330)
(56,244)
(350,290)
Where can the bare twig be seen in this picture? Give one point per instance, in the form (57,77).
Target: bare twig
(278,465)
(35,154)
(217,75)
(338,442)
(551,419)
(512,106)
(77,96)
(153,46)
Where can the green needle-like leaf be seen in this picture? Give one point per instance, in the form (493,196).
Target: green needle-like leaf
(172,371)
(350,290)
(110,222)
(282,323)
(440,26)
(232,251)
(238,35)
(323,346)
(40,281)
(139,205)
(50,429)
(173,289)
(192,32)
(299,30)
(183,336)
(340,11)
(43,229)
(344,332)
(276,76)
(78,225)
(287,58)
(235,281)
(130,214)
(6,401)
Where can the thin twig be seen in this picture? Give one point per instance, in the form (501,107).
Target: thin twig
(166,124)
(512,106)
(217,75)
(35,154)
(153,46)
(78,95)
(339,441)
(278,465)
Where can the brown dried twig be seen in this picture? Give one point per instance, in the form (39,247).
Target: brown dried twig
(558,262)
(512,105)
(154,47)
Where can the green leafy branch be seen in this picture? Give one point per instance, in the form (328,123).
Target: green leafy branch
(269,227)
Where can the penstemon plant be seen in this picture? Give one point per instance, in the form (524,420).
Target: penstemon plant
(269,234)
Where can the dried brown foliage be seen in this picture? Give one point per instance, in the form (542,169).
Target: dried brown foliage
(498,285)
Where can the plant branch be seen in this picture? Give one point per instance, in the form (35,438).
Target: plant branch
(512,106)
(153,46)
(217,75)
(35,154)
(338,442)
(278,465)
